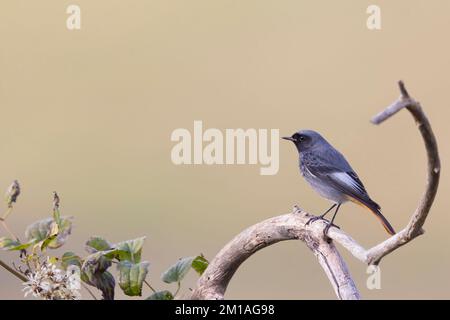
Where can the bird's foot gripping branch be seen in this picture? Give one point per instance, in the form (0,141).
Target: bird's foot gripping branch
(294,226)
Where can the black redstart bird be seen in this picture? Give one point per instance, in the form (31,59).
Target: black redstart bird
(328,173)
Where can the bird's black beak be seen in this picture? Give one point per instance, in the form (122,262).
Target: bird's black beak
(288,138)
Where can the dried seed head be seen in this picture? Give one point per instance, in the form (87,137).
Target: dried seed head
(55,201)
(51,283)
(12,193)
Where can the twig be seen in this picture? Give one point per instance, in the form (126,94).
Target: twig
(6,214)
(12,198)
(148,285)
(417,220)
(5,226)
(414,227)
(14,272)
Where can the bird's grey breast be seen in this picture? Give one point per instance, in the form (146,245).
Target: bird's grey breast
(314,169)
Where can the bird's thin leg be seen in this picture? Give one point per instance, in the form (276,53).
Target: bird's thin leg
(322,216)
(325,231)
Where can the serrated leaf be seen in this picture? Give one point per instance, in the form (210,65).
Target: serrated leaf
(161,295)
(130,250)
(70,259)
(178,271)
(132,277)
(95,244)
(200,264)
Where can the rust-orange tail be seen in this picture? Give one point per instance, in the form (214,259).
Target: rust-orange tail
(375,209)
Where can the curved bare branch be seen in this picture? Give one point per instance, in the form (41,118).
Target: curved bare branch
(292,226)
(213,283)
(414,227)
(417,220)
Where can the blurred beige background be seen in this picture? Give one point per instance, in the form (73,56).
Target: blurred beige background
(89,113)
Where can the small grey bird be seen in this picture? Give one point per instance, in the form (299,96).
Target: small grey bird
(328,173)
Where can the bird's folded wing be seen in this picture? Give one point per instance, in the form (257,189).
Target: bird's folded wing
(349,184)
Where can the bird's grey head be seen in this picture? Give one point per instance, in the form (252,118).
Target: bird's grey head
(305,140)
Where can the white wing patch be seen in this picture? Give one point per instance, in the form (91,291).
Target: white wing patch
(309,171)
(346,180)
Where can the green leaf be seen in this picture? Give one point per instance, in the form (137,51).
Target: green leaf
(57,216)
(64,231)
(50,237)
(200,264)
(53,260)
(178,271)
(93,272)
(9,244)
(47,233)
(161,295)
(130,250)
(97,262)
(95,244)
(6,243)
(132,277)
(104,281)
(22,246)
(70,259)
(39,230)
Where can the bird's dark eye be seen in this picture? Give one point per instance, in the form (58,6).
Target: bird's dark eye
(300,138)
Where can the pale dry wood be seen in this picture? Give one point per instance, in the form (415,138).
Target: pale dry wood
(417,220)
(213,283)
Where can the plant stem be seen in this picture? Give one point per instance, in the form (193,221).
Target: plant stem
(148,285)
(5,226)
(14,272)
(89,291)
(7,213)
(178,289)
